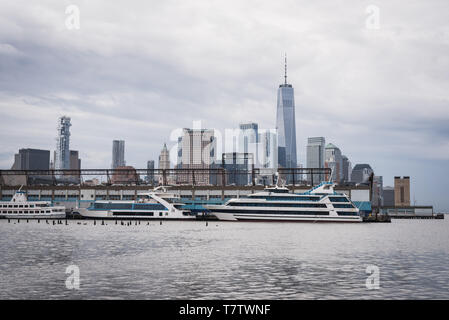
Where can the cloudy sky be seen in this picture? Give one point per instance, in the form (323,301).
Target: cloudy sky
(137,70)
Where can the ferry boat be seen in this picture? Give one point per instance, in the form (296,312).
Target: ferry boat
(20,208)
(157,204)
(319,204)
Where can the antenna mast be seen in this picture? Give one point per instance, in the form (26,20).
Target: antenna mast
(285,67)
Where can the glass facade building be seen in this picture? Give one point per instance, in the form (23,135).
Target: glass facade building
(286,125)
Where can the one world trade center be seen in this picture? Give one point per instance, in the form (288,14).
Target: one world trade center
(285,124)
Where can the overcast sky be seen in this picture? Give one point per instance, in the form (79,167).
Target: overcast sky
(137,70)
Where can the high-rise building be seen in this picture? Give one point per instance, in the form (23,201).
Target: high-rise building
(402,191)
(125,175)
(118,154)
(31,159)
(150,173)
(334,161)
(249,138)
(164,158)
(75,164)
(62,156)
(377,199)
(361,173)
(198,151)
(347,169)
(286,124)
(238,167)
(315,157)
(388,197)
(268,150)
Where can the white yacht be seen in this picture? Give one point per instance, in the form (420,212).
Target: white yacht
(20,208)
(320,204)
(156,204)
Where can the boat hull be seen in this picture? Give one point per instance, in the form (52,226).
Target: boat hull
(34,216)
(104,214)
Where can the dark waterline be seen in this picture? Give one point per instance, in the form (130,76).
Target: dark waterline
(189,260)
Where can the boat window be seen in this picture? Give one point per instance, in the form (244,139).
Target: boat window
(342,213)
(268,204)
(338,199)
(343,205)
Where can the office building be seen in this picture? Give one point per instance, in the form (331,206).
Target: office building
(377,199)
(62,155)
(164,158)
(75,164)
(315,157)
(286,124)
(347,169)
(249,139)
(118,154)
(267,152)
(238,168)
(402,191)
(31,159)
(388,193)
(150,173)
(197,151)
(125,175)
(334,161)
(361,173)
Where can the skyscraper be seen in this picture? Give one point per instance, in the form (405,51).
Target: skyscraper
(75,164)
(150,173)
(198,151)
(402,191)
(334,161)
(361,173)
(377,199)
(285,124)
(268,145)
(249,138)
(347,169)
(164,158)
(31,159)
(62,156)
(118,154)
(315,157)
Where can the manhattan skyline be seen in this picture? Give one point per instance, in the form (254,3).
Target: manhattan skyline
(380,95)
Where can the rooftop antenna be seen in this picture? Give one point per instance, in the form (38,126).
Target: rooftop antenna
(285,67)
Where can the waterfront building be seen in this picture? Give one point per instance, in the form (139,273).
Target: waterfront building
(361,173)
(347,169)
(377,199)
(388,195)
(334,161)
(197,151)
(118,154)
(62,155)
(286,125)
(402,191)
(238,166)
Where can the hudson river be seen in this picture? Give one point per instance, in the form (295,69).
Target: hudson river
(408,259)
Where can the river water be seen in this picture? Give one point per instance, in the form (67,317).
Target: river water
(405,259)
